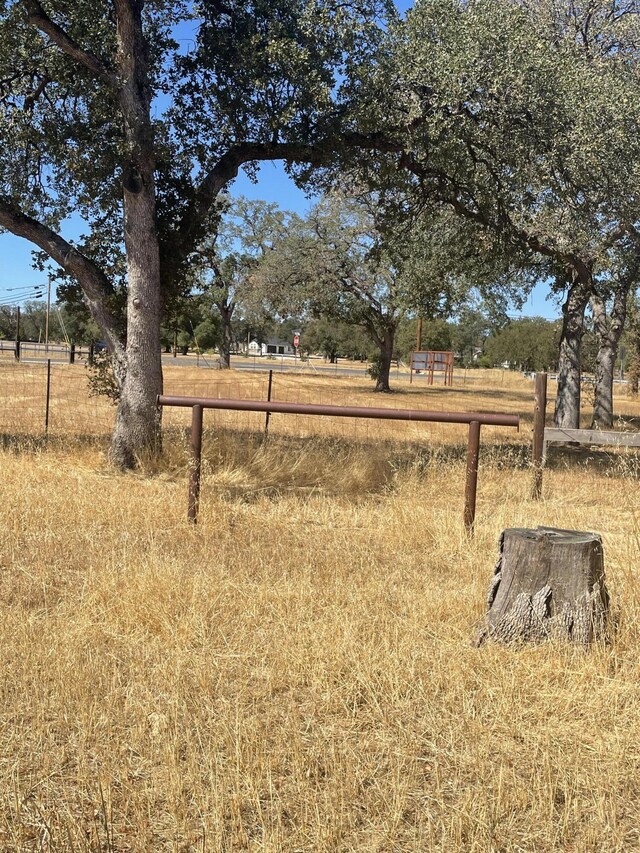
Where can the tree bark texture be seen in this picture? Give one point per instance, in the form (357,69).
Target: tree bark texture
(608,332)
(567,411)
(547,583)
(385,344)
(138,418)
(226,313)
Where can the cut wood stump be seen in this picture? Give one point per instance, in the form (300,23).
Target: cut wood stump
(547,583)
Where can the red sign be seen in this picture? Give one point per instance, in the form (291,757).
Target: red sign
(296,340)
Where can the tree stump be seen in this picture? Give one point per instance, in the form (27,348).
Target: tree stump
(547,583)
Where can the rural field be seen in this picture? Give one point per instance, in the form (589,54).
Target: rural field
(296,673)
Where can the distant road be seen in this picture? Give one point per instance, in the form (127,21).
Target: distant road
(331,369)
(277,365)
(35,353)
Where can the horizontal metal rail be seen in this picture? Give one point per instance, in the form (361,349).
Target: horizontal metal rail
(342,411)
(474,420)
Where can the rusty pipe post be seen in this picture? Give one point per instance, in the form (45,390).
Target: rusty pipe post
(471,484)
(196,464)
(539,412)
(268,415)
(474,419)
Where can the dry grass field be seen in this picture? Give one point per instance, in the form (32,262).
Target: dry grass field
(295,673)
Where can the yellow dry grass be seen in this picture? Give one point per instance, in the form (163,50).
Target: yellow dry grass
(295,673)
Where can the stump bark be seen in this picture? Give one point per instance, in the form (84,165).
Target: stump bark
(547,583)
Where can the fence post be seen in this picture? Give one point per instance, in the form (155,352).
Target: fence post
(196,464)
(471,484)
(46,409)
(72,354)
(268,415)
(473,419)
(539,413)
(18,333)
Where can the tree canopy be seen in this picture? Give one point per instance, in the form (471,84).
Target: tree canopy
(509,129)
(103,114)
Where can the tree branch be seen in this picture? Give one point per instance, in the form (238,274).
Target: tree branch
(96,287)
(450,192)
(38,18)
(228,166)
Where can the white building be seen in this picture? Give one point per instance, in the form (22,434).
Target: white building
(276,346)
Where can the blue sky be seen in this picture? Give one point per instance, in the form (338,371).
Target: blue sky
(274,185)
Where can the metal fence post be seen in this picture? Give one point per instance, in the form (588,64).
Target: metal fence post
(196,464)
(18,333)
(46,408)
(471,485)
(268,415)
(473,419)
(539,412)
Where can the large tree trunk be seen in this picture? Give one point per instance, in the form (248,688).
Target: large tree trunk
(567,411)
(226,313)
(608,333)
(137,426)
(386,355)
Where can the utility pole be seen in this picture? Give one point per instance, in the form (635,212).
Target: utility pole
(419,341)
(46,322)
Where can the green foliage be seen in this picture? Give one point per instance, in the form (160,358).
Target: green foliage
(530,344)
(436,335)
(502,145)
(631,341)
(101,379)
(7,322)
(375,366)
(526,122)
(222,266)
(260,81)
(337,263)
(473,327)
(334,339)
(272,69)
(207,334)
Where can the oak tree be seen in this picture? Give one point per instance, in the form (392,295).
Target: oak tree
(105,113)
(524,119)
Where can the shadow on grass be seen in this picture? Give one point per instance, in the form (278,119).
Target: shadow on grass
(245,461)
(16,442)
(629,422)
(222,447)
(619,464)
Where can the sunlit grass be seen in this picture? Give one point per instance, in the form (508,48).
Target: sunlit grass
(295,673)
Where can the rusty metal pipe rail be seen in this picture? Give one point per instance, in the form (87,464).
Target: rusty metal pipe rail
(474,420)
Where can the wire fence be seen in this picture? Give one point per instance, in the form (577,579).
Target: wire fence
(34,351)
(52,397)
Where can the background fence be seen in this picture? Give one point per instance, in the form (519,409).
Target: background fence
(72,412)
